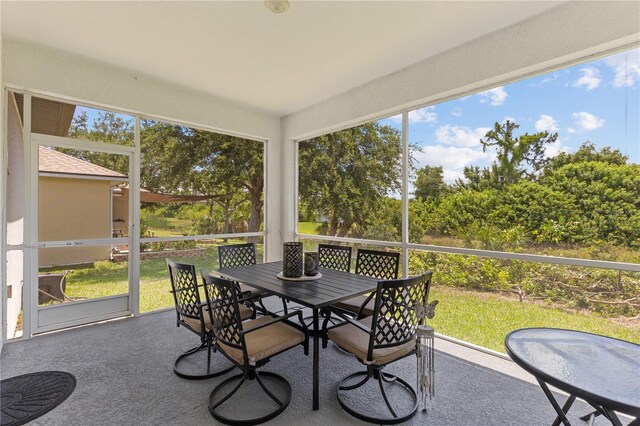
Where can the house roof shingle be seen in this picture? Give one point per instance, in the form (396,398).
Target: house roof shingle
(52,161)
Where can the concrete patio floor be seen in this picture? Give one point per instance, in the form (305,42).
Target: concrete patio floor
(125,377)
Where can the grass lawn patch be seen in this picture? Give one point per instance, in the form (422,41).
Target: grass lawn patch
(485,319)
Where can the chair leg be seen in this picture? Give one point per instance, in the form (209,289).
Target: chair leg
(207,344)
(285,307)
(381,379)
(384,396)
(214,405)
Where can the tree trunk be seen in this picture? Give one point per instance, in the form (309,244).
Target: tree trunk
(227,219)
(255,215)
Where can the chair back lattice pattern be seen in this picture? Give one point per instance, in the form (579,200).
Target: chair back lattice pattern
(378,264)
(222,297)
(184,286)
(235,255)
(399,309)
(335,257)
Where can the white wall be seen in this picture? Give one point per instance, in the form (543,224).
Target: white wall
(570,32)
(14,214)
(52,73)
(2,179)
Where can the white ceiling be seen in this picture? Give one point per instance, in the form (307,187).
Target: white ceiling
(242,52)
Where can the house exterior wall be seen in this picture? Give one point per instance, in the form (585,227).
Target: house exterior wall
(571,32)
(71,209)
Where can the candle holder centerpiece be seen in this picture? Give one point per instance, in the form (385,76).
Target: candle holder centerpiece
(292,260)
(311,261)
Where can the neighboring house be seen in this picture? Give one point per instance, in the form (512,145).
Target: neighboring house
(77,201)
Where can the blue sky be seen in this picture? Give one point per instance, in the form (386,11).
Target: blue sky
(597,101)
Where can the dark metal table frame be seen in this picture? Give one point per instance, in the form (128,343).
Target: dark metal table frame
(603,406)
(333,287)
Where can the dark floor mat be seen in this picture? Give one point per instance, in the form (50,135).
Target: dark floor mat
(27,397)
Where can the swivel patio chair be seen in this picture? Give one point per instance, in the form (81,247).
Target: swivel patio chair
(193,314)
(331,257)
(236,255)
(249,345)
(376,341)
(376,264)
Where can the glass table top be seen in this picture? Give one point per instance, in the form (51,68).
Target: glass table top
(601,366)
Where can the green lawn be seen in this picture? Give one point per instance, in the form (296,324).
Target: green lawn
(107,278)
(485,318)
(308,227)
(174,227)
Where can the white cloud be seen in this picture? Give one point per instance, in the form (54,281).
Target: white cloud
(546,123)
(626,66)
(495,97)
(422,115)
(571,130)
(556,148)
(508,118)
(546,80)
(453,159)
(454,148)
(586,121)
(460,135)
(456,112)
(590,78)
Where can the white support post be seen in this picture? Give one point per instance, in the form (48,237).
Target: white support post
(296,191)
(3,208)
(30,200)
(134,223)
(405,194)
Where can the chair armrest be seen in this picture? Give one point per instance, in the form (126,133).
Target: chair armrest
(297,313)
(350,321)
(366,301)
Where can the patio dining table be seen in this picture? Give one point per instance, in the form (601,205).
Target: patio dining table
(332,287)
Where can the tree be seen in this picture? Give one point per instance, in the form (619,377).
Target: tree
(516,158)
(346,174)
(107,127)
(586,152)
(429,182)
(227,169)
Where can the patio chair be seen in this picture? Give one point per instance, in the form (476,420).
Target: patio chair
(334,257)
(385,337)
(192,314)
(376,264)
(331,257)
(236,255)
(249,345)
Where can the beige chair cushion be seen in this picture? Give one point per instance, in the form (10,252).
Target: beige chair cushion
(267,341)
(352,339)
(353,305)
(245,313)
(254,291)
